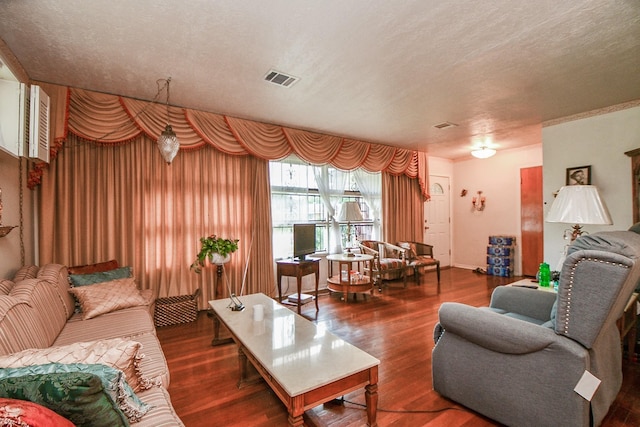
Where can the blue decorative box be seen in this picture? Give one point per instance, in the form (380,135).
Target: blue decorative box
(495,270)
(499,260)
(500,250)
(502,240)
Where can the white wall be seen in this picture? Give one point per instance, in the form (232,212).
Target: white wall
(601,142)
(10,259)
(499,180)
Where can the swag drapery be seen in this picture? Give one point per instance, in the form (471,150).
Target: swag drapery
(108,194)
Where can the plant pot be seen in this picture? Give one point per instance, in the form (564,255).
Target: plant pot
(219,259)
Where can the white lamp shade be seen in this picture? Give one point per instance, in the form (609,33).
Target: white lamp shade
(350,211)
(483,152)
(579,204)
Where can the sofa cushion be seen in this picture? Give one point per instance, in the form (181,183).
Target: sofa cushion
(48,315)
(131,323)
(101,276)
(113,382)
(118,353)
(15,412)
(77,396)
(26,272)
(93,268)
(126,323)
(57,276)
(16,326)
(162,414)
(108,296)
(5,286)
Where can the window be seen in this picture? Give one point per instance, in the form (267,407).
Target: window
(303,193)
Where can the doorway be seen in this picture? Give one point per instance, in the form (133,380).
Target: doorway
(437,224)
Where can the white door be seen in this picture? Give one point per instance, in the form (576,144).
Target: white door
(437,226)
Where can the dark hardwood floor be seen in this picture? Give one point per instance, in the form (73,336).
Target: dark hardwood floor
(394,326)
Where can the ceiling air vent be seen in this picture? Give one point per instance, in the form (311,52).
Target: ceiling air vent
(280,79)
(444,125)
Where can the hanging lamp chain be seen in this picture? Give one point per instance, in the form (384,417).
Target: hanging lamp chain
(168,81)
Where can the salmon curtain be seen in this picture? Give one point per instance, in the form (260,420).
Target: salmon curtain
(402,209)
(123,202)
(107,193)
(109,119)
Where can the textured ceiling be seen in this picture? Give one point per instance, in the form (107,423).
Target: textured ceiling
(375,70)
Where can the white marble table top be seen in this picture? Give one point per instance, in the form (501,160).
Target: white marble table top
(353,258)
(299,354)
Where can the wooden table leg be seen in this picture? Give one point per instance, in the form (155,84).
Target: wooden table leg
(216,331)
(248,374)
(371,397)
(216,322)
(296,412)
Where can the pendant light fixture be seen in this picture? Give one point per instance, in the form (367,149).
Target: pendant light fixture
(168,141)
(483,152)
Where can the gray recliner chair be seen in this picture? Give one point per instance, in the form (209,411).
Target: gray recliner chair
(519,360)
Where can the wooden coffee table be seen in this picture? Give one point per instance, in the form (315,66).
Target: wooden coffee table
(303,364)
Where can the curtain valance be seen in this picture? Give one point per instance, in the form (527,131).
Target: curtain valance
(110,119)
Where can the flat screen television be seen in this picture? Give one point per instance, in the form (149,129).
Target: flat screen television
(304,240)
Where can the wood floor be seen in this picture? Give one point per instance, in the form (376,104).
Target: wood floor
(394,326)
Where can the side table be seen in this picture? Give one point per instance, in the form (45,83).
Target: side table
(627,325)
(348,280)
(298,269)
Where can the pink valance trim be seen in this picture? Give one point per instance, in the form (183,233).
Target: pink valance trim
(109,119)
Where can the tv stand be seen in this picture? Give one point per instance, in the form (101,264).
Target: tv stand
(298,269)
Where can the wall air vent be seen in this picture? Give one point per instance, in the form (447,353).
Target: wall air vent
(280,79)
(444,125)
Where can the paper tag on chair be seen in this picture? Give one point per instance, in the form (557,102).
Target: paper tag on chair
(587,385)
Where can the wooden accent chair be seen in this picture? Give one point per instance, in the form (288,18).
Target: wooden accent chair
(389,261)
(420,257)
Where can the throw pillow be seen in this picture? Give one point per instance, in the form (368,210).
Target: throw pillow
(108,296)
(93,268)
(18,413)
(100,277)
(113,383)
(118,353)
(77,396)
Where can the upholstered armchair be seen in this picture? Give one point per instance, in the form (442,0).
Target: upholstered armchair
(420,257)
(389,261)
(519,360)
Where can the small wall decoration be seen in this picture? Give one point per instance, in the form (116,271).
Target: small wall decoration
(478,202)
(580,175)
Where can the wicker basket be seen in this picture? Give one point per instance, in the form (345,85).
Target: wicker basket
(174,310)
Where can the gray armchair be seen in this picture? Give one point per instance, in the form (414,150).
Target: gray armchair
(519,360)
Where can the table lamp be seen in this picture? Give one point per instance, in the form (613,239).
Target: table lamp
(579,204)
(350,211)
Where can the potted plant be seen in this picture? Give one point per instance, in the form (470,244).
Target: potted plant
(216,249)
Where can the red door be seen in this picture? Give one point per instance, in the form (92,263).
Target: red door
(531,219)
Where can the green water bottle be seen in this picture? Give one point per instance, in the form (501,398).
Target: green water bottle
(544,275)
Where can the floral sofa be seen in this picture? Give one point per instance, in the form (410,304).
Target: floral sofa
(98,365)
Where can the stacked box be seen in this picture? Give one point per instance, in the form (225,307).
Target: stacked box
(500,252)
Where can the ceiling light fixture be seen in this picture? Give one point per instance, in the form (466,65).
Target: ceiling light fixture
(483,152)
(168,141)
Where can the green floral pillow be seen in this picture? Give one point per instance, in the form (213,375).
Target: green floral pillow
(77,396)
(113,382)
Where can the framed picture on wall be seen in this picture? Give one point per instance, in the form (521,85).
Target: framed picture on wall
(580,175)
